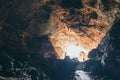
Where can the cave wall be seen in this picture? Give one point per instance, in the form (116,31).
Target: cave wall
(20,20)
(26,24)
(110,48)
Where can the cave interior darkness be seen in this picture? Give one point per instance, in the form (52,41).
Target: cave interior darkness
(59,39)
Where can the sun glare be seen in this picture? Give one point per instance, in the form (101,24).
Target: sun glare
(76,52)
(73,51)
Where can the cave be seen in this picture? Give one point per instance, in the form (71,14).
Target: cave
(59,39)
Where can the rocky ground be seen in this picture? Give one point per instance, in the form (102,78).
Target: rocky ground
(29,28)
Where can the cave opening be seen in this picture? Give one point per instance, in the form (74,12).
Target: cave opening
(75,52)
(67,43)
(59,40)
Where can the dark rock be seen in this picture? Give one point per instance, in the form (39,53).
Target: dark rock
(71,4)
(25,48)
(95,54)
(110,48)
(1,67)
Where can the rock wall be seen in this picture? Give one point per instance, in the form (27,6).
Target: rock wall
(83,26)
(88,21)
(28,26)
(110,48)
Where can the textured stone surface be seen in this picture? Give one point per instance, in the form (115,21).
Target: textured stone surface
(111,50)
(28,26)
(84,26)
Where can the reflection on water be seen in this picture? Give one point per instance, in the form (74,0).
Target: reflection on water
(81,75)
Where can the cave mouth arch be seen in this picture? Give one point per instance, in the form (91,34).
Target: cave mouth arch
(68,43)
